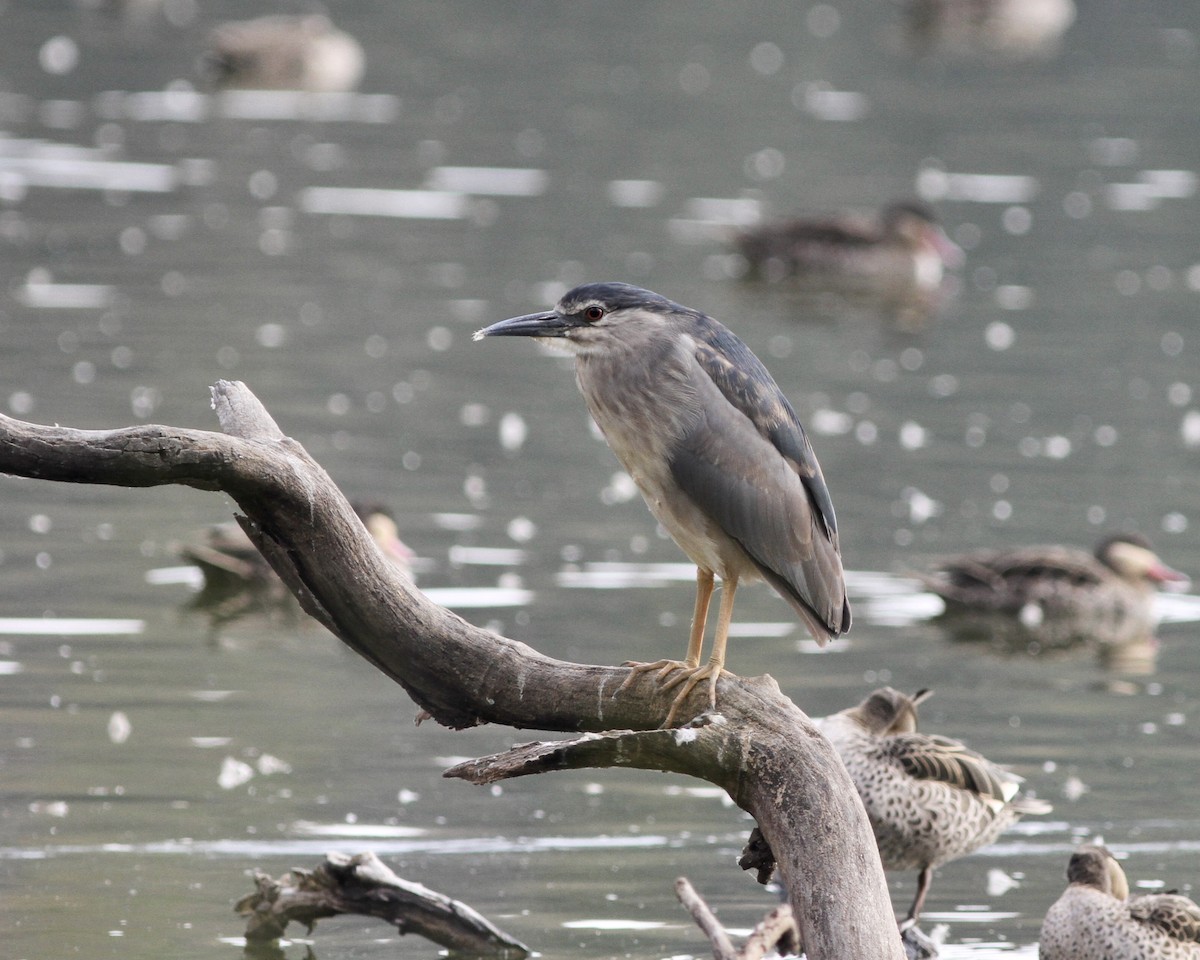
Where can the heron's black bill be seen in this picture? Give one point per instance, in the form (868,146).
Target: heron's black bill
(548,324)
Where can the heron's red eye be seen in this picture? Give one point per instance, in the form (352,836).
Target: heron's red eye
(592,314)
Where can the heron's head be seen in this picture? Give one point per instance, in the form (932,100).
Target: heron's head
(597,317)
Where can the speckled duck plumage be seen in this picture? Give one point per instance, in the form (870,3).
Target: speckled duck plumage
(929,798)
(1096,919)
(1110,591)
(904,246)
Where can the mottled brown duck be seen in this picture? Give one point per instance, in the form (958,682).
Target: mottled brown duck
(930,799)
(903,249)
(1096,919)
(1107,595)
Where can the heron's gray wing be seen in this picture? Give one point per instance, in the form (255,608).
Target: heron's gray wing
(746,463)
(932,757)
(1175,915)
(749,386)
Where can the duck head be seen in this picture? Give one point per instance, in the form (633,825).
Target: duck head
(1131,557)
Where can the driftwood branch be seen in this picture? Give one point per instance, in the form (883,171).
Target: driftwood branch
(776,934)
(363,885)
(761,748)
(706,920)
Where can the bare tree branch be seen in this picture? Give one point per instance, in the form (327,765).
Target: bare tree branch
(706,920)
(775,933)
(760,748)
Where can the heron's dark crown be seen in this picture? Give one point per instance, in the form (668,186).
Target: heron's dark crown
(614,296)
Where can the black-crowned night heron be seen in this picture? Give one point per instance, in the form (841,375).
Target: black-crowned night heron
(716,450)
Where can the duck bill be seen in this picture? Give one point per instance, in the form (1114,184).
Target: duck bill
(546,324)
(1172,580)
(951,253)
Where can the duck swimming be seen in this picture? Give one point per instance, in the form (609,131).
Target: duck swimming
(1096,917)
(930,799)
(904,248)
(282,52)
(1107,594)
(231,564)
(994,29)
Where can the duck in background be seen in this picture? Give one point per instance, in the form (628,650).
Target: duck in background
(1059,595)
(238,579)
(1096,917)
(306,53)
(898,259)
(903,245)
(1005,29)
(930,799)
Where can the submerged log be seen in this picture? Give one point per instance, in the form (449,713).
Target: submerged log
(760,747)
(363,885)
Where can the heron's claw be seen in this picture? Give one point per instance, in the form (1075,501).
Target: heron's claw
(664,668)
(689,675)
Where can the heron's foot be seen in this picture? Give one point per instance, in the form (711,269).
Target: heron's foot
(676,673)
(664,668)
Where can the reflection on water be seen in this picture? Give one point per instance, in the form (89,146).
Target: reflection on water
(336,250)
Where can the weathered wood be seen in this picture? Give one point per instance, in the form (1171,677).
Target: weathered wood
(706,920)
(761,747)
(775,934)
(363,885)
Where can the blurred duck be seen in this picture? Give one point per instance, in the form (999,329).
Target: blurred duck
(929,798)
(1014,29)
(1095,917)
(1108,593)
(284,53)
(231,563)
(904,248)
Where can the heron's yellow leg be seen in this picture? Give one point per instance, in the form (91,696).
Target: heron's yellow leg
(704,591)
(688,674)
(693,676)
(724,619)
(664,668)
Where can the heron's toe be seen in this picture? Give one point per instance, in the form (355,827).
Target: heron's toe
(663,668)
(688,679)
